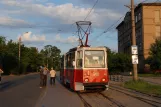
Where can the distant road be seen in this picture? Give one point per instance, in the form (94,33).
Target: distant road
(20,91)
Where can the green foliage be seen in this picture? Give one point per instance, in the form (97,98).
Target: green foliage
(30,58)
(154,60)
(119,62)
(51,56)
(143,86)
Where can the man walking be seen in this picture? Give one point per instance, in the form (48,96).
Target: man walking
(41,76)
(0,74)
(45,72)
(52,76)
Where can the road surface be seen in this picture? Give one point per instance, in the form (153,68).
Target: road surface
(20,91)
(24,91)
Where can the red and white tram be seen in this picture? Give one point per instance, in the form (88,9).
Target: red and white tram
(85,68)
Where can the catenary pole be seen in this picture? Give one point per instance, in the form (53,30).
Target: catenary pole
(135,75)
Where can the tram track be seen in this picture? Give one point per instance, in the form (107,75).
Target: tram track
(137,92)
(89,98)
(86,104)
(111,102)
(148,101)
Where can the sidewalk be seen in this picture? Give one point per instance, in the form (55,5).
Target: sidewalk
(59,96)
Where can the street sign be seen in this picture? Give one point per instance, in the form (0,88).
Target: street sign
(134,49)
(134,59)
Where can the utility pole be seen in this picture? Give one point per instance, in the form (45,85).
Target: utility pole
(19,52)
(135,74)
(134,49)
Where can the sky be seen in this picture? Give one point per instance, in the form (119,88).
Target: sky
(52,22)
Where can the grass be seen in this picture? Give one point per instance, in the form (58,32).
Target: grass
(144,87)
(149,75)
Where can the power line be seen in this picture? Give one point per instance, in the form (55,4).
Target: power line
(109,28)
(91,10)
(112,26)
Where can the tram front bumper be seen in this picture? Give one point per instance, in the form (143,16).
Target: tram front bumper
(91,86)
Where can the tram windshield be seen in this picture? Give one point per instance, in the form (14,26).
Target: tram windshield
(94,59)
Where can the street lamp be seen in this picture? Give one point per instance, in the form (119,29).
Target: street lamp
(19,49)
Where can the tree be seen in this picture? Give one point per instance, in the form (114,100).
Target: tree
(52,56)
(118,62)
(155,55)
(30,58)
(2,50)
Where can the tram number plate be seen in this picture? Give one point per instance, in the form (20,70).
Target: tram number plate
(95,73)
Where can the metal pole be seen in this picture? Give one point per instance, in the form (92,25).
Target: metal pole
(135,76)
(19,52)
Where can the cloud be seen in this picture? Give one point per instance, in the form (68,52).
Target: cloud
(70,39)
(65,13)
(112,4)
(28,38)
(10,22)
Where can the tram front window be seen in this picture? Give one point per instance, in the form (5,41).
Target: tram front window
(93,59)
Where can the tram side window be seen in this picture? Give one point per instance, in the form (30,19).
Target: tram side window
(66,61)
(72,59)
(69,61)
(79,59)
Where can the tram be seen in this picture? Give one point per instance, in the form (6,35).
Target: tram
(85,67)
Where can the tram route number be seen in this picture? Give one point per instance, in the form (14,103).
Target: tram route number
(95,73)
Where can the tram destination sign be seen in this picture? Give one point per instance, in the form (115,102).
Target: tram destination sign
(134,50)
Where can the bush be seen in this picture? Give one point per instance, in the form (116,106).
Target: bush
(154,60)
(118,63)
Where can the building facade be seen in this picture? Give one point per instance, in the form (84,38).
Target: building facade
(148,28)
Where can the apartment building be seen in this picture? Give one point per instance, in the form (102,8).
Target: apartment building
(148,28)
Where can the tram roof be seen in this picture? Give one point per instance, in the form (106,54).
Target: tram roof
(84,48)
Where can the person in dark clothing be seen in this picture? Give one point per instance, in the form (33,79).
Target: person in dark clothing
(41,76)
(45,72)
(0,74)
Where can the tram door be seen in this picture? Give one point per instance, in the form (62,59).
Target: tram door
(72,69)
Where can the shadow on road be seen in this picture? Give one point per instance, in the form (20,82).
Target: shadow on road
(10,84)
(66,86)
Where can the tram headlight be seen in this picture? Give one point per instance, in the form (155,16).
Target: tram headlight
(86,80)
(103,79)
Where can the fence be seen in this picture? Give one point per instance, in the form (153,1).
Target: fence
(117,78)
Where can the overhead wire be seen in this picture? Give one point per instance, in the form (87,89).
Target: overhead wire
(112,26)
(91,10)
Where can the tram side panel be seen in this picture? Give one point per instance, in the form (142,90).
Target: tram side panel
(78,80)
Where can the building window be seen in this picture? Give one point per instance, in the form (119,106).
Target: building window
(157,16)
(139,16)
(136,19)
(140,46)
(136,35)
(157,31)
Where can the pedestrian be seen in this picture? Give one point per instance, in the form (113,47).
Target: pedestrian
(52,76)
(1,75)
(45,72)
(41,76)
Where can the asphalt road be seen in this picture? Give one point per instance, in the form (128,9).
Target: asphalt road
(21,91)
